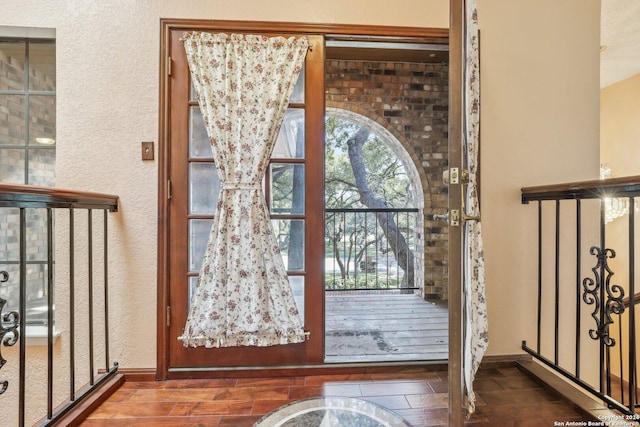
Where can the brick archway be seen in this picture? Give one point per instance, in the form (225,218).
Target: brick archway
(401,151)
(412,172)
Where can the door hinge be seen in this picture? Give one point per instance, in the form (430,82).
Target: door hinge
(169,189)
(168,65)
(168,316)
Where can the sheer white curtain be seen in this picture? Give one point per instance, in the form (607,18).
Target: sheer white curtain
(243,84)
(475,309)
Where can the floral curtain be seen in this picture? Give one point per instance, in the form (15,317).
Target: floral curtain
(243,84)
(476,336)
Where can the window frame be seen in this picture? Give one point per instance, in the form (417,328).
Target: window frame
(29,37)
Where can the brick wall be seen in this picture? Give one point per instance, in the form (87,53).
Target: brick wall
(410,100)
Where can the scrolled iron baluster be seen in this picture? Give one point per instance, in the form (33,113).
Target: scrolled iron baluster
(614,296)
(590,296)
(9,335)
(614,304)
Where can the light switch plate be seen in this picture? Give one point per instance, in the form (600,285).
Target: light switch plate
(147,150)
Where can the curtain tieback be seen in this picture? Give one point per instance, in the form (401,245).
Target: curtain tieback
(241,186)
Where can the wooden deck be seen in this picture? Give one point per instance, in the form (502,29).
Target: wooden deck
(384,327)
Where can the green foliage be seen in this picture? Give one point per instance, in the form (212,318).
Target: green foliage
(370,281)
(386,175)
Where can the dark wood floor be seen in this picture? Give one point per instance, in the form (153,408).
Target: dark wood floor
(507,397)
(384,328)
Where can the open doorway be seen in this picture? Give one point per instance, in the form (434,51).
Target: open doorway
(386,250)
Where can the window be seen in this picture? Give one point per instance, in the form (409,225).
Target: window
(27,156)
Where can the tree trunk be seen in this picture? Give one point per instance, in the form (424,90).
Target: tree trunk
(395,238)
(335,241)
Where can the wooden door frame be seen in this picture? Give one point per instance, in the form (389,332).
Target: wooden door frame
(169,25)
(456,120)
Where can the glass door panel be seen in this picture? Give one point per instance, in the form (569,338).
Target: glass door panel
(199,146)
(290,237)
(290,142)
(297,284)
(199,230)
(204,188)
(287,188)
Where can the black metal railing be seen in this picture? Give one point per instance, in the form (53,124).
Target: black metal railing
(36,295)
(371,249)
(625,391)
(586,320)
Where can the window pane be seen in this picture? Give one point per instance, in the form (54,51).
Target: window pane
(290,237)
(37,252)
(297,97)
(199,146)
(9,236)
(12,60)
(36,291)
(204,186)
(193,282)
(36,235)
(42,66)
(42,120)
(42,167)
(12,120)
(36,294)
(287,188)
(199,230)
(10,290)
(12,166)
(297,285)
(290,142)
(10,251)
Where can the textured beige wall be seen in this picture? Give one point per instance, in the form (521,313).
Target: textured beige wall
(540,89)
(620,128)
(620,150)
(539,112)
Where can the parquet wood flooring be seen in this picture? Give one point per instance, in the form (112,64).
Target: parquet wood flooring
(506,397)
